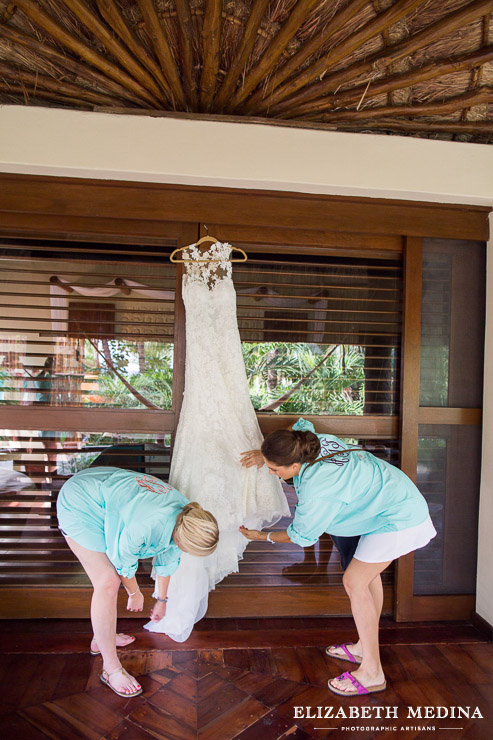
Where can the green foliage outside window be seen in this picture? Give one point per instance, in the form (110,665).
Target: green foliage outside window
(283,377)
(336,386)
(147,368)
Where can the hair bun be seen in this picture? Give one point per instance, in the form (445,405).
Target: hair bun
(289,446)
(196,530)
(309,445)
(189,507)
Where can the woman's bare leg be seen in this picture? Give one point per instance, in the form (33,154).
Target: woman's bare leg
(363,585)
(106,583)
(376,590)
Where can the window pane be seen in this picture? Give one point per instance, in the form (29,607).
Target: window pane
(449,460)
(452,335)
(321,335)
(32,549)
(317,565)
(95,330)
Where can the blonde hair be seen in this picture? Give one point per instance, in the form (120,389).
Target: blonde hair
(196,530)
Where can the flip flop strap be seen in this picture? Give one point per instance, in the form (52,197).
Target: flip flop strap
(113,673)
(357,685)
(349,655)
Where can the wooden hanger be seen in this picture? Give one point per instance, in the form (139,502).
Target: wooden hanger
(201,241)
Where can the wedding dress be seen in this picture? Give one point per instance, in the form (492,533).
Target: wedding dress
(217,423)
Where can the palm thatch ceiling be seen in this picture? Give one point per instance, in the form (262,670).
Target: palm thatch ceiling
(412,67)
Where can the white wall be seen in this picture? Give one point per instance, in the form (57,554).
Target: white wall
(46,141)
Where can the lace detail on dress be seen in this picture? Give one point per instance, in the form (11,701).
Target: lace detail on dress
(208,273)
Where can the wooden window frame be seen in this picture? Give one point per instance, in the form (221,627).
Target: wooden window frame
(142,213)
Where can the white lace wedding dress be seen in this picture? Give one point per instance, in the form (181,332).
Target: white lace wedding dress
(217,423)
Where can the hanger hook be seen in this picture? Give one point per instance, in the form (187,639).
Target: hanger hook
(205,227)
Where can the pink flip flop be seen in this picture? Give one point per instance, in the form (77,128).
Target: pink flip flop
(359,689)
(348,656)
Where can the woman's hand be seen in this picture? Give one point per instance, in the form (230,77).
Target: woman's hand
(158,611)
(135,603)
(251,458)
(252,534)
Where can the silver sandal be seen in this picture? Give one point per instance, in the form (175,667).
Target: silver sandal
(105,678)
(118,647)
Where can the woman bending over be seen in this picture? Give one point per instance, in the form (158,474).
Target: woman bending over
(350,492)
(110,519)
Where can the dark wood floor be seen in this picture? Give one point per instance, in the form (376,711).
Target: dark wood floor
(239,679)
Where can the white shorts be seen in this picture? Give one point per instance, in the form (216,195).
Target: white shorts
(380,548)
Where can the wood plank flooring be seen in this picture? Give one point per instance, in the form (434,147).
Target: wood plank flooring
(239,679)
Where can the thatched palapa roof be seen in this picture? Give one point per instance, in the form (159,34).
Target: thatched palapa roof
(413,67)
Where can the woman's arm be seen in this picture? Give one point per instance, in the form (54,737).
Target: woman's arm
(249,458)
(159,609)
(135,596)
(255,534)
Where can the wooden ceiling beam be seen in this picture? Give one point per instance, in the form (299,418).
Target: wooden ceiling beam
(428,127)
(245,46)
(37,80)
(339,52)
(449,105)
(365,91)
(162,50)
(379,6)
(115,20)
(63,61)
(69,41)
(120,53)
(431,33)
(477,72)
(256,101)
(211,52)
(185,24)
(31,91)
(273,52)
(452,22)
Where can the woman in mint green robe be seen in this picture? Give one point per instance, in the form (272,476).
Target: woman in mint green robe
(347,491)
(111,518)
